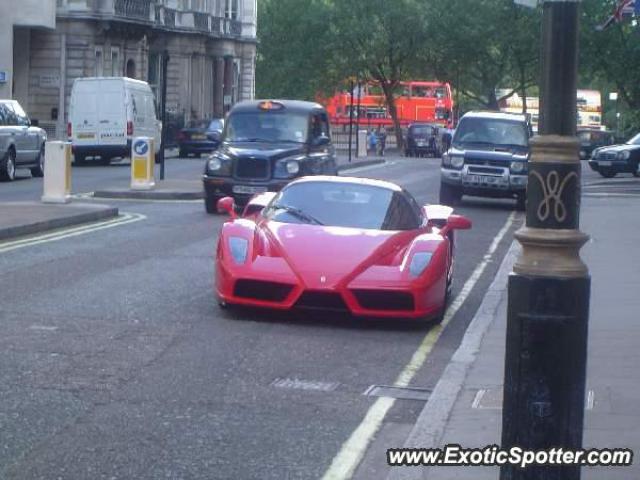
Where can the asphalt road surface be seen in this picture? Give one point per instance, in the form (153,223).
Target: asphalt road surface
(117,363)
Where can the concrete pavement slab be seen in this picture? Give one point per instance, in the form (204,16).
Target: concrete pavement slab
(26,218)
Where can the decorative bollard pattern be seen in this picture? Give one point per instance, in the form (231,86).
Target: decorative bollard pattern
(57,173)
(142,164)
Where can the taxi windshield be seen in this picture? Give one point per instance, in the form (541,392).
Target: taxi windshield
(267,126)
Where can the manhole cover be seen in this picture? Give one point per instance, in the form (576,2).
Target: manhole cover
(400,393)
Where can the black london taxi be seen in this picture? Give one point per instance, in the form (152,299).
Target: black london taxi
(264,145)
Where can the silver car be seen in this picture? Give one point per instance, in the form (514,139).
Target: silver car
(21,143)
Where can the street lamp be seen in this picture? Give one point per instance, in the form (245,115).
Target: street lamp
(613,96)
(548,309)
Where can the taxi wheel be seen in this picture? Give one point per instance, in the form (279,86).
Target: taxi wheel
(636,170)
(211,204)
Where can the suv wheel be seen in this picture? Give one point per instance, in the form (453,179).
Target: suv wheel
(449,195)
(8,166)
(38,170)
(521,202)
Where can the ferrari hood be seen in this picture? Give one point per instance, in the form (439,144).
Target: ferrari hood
(322,256)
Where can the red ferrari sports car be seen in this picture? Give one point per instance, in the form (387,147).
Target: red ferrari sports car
(337,243)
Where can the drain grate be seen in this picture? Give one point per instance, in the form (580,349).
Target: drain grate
(399,393)
(297,384)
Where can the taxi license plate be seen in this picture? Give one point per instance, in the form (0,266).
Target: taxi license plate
(198,137)
(604,164)
(245,189)
(86,135)
(482,180)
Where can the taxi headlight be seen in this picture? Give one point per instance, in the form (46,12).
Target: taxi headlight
(293,167)
(214,164)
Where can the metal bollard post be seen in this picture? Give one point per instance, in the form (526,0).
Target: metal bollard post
(57,173)
(142,164)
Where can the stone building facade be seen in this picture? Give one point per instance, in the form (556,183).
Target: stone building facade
(211,46)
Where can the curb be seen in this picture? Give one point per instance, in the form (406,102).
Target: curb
(431,424)
(62,222)
(148,195)
(364,163)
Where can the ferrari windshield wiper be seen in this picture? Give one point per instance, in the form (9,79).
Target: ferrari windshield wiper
(296,212)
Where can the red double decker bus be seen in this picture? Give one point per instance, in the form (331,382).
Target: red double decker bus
(416,101)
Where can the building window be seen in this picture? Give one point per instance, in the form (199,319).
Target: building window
(131,68)
(115,62)
(99,65)
(231,10)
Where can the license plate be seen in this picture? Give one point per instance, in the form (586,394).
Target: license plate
(604,164)
(245,189)
(481,179)
(198,137)
(86,135)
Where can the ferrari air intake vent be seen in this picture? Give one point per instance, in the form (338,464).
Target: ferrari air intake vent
(260,290)
(384,300)
(321,300)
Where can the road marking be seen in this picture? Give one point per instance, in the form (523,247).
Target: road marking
(123,219)
(296,383)
(348,458)
(90,196)
(606,195)
(368,167)
(46,328)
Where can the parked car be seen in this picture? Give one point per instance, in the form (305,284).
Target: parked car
(355,245)
(200,136)
(423,139)
(488,157)
(614,159)
(265,144)
(21,142)
(106,113)
(590,139)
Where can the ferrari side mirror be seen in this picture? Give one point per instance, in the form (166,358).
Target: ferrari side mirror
(226,204)
(458,222)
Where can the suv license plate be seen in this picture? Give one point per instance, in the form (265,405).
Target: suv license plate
(482,180)
(245,189)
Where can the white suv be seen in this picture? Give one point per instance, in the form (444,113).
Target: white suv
(21,143)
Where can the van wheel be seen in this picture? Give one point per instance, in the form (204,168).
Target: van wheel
(8,166)
(449,195)
(38,170)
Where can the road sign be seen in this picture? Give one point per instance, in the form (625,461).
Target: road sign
(142,164)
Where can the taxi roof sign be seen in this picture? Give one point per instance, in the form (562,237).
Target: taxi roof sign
(269,105)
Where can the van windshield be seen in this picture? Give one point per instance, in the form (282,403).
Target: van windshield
(267,127)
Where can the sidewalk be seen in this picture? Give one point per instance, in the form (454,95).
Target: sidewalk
(465,407)
(27,218)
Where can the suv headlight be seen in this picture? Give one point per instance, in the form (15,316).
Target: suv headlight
(288,167)
(517,167)
(446,160)
(219,165)
(624,155)
(457,161)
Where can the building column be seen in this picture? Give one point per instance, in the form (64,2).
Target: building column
(228,82)
(6,57)
(218,87)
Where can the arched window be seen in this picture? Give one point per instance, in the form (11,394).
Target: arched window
(131,68)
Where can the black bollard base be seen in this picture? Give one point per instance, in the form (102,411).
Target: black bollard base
(545,370)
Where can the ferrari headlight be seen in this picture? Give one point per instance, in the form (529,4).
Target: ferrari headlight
(419,262)
(457,161)
(624,155)
(239,247)
(517,167)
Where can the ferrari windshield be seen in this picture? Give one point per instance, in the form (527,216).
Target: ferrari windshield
(269,126)
(343,204)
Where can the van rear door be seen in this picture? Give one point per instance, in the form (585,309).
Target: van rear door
(84,116)
(112,118)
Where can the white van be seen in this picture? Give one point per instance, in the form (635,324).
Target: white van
(106,113)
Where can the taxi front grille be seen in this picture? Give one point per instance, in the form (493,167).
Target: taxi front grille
(252,168)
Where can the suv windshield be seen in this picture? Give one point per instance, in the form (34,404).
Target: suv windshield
(491,131)
(344,205)
(267,127)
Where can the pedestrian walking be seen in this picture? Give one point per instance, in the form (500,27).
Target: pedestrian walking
(382,140)
(372,141)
